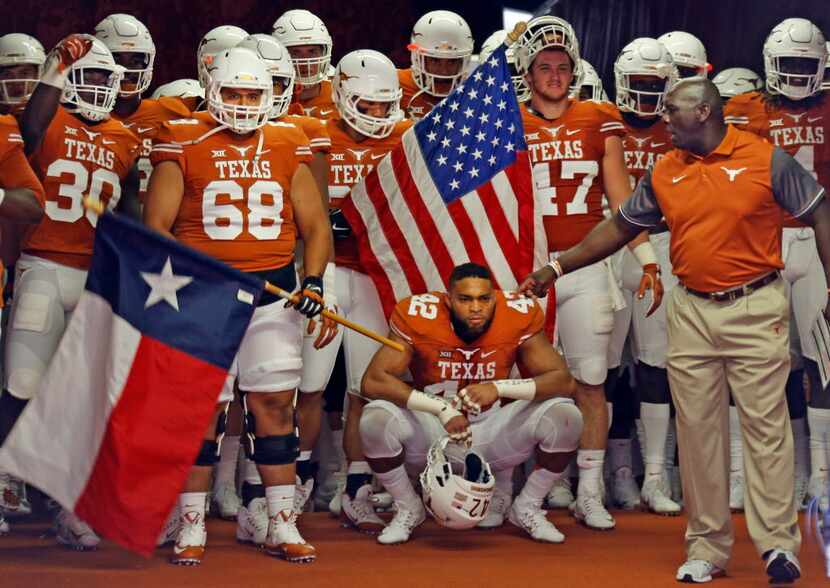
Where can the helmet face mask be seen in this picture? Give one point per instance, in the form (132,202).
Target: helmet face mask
(93,83)
(643,72)
(239,69)
(133,49)
(440,50)
(795,57)
(589,86)
(365,85)
(138,71)
(309,43)
(279,64)
(21,65)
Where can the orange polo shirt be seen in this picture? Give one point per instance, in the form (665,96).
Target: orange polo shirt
(724,210)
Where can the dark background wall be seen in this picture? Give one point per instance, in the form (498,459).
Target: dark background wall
(732,30)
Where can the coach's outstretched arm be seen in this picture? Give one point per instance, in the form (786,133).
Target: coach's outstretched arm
(606,238)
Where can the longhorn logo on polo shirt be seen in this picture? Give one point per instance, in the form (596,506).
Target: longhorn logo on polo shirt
(733,173)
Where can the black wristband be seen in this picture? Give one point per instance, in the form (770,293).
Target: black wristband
(314,284)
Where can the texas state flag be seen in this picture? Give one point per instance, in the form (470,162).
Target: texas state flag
(123,408)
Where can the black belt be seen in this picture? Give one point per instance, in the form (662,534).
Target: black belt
(735,293)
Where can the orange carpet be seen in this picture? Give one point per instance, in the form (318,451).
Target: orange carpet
(644,551)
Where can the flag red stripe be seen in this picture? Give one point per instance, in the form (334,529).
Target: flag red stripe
(500,224)
(469,235)
(424,221)
(147,450)
(519,176)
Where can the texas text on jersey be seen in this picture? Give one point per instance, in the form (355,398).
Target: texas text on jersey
(566,155)
(442,363)
(77,159)
(236,205)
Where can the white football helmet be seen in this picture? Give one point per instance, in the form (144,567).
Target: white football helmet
(640,58)
(440,34)
(795,55)
(184,88)
(825,85)
(547,32)
(367,75)
(301,27)
(737,80)
(492,43)
(239,68)
(214,42)
(122,33)
(279,65)
(589,86)
(17,49)
(457,485)
(687,52)
(93,83)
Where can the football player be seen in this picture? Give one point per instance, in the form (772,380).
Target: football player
(577,156)
(460,348)
(737,80)
(687,52)
(77,150)
(309,43)
(214,42)
(370,124)
(643,72)
(321,339)
(492,43)
(589,85)
(440,48)
(237,187)
(21,63)
(21,201)
(794,114)
(185,88)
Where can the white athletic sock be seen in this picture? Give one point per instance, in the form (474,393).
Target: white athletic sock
(251,474)
(280,500)
(736,449)
(655,418)
(819,419)
(192,502)
(801,441)
(537,486)
(641,438)
(396,481)
(359,467)
(305,455)
(590,462)
(619,456)
(226,468)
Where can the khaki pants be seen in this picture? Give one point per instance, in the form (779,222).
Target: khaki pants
(742,345)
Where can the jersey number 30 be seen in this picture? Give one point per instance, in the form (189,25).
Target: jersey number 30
(73,193)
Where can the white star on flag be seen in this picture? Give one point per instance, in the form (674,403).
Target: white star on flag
(165,285)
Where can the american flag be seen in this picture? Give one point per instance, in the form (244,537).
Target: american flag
(456,189)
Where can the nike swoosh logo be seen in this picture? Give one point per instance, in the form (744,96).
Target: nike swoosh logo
(144,129)
(677,179)
(381,156)
(108,142)
(325,112)
(812,120)
(336,227)
(488,354)
(574,132)
(655,145)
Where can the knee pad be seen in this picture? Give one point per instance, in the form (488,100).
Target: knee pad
(269,449)
(560,428)
(591,370)
(208,454)
(378,433)
(796,398)
(653,384)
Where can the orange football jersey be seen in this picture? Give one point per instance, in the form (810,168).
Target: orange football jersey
(236,205)
(145,122)
(799,131)
(77,159)
(349,162)
(415,103)
(643,146)
(314,128)
(15,171)
(441,362)
(321,106)
(566,155)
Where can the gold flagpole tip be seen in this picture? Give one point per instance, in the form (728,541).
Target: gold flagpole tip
(517,31)
(95,205)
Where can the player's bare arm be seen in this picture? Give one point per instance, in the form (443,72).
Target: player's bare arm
(164,197)
(382,381)
(20,205)
(312,221)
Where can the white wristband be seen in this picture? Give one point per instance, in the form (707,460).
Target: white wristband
(2,196)
(432,404)
(556,267)
(516,389)
(644,253)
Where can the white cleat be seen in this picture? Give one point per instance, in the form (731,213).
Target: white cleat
(189,548)
(531,518)
(698,571)
(334,505)
(170,530)
(252,522)
(655,495)
(399,529)
(13,499)
(561,495)
(74,533)
(382,501)
(736,492)
(624,491)
(359,512)
(499,507)
(284,540)
(817,490)
(302,493)
(227,501)
(589,510)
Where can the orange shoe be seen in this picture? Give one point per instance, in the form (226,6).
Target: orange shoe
(285,541)
(190,540)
